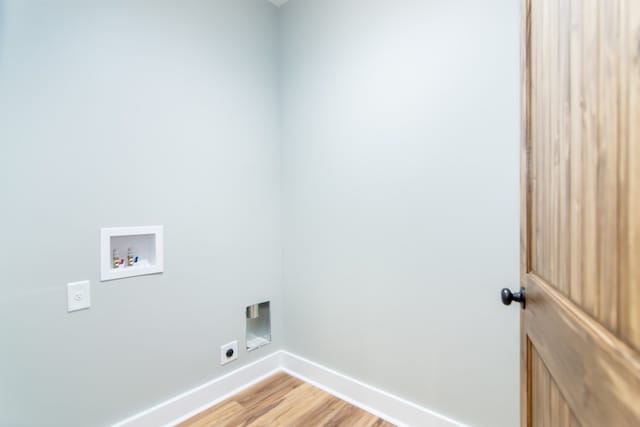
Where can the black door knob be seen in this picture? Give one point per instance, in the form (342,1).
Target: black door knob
(508,297)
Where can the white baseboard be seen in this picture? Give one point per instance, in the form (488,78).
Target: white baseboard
(196,400)
(378,402)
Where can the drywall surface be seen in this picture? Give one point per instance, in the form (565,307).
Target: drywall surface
(400,150)
(118,113)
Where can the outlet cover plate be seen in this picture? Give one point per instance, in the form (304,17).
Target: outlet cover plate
(223,352)
(78,296)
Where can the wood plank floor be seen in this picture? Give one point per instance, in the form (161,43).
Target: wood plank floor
(284,401)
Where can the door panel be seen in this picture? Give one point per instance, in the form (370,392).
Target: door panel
(580,239)
(551,408)
(574,151)
(598,375)
(629,219)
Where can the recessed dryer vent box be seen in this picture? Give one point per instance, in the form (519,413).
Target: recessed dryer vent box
(130,251)
(258,325)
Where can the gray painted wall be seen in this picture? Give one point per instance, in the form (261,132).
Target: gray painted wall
(401,197)
(116,113)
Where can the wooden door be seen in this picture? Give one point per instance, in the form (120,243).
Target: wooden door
(580,231)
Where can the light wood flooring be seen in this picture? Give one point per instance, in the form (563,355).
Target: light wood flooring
(284,401)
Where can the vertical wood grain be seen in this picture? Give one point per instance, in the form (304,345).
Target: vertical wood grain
(536,248)
(590,89)
(632,285)
(577,191)
(607,163)
(552,144)
(550,409)
(537,136)
(541,393)
(526,376)
(547,197)
(629,191)
(582,119)
(564,148)
(560,413)
(555,405)
(623,166)
(540,143)
(575,175)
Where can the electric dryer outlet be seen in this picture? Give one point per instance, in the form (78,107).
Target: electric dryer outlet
(228,352)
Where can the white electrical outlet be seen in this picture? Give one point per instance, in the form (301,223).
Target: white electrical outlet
(78,296)
(228,352)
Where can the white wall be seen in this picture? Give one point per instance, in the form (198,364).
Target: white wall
(131,113)
(401,197)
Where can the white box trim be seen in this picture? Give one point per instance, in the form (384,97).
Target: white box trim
(108,273)
(371,399)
